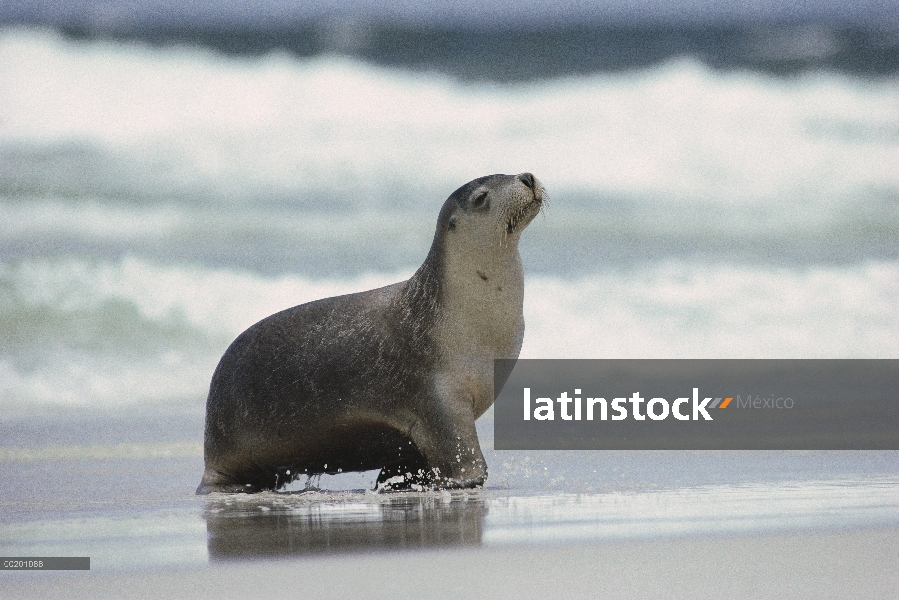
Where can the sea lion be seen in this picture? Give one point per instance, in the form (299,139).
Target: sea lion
(391,378)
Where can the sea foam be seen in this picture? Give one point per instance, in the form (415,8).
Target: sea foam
(195,122)
(108,334)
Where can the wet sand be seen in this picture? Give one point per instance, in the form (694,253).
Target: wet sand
(631,524)
(843,564)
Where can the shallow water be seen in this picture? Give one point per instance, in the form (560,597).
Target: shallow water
(273,525)
(126,499)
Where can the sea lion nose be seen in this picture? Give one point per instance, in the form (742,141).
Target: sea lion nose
(527,179)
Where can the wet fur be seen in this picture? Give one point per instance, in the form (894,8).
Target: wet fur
(391,378)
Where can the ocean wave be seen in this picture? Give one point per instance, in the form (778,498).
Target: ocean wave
(82,333)
(575,237)
(110,119)
(112,334)
(213,304)
(682,310)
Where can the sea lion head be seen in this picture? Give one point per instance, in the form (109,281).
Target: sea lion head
(491,211)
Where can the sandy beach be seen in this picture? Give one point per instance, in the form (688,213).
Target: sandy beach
(619,525)
(843,564)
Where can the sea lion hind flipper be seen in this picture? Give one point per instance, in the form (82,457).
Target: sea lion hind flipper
(215,481)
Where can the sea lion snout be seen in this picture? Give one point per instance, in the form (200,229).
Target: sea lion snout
(527,179)
(524,206)
(533,184)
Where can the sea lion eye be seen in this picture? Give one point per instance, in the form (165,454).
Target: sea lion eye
(480,201)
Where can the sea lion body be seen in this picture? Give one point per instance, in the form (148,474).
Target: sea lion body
(391,378)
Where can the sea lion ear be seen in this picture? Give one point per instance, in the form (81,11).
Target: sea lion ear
(452,223)
(480,201)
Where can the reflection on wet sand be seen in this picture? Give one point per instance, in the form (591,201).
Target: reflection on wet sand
(314,522)
(276,524)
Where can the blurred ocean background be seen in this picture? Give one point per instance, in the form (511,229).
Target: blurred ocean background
(721,184)
(723,181)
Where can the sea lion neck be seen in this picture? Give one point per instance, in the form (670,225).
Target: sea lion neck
(445,260)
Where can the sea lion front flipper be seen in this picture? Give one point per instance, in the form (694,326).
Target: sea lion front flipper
(444,452)
(448,440)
